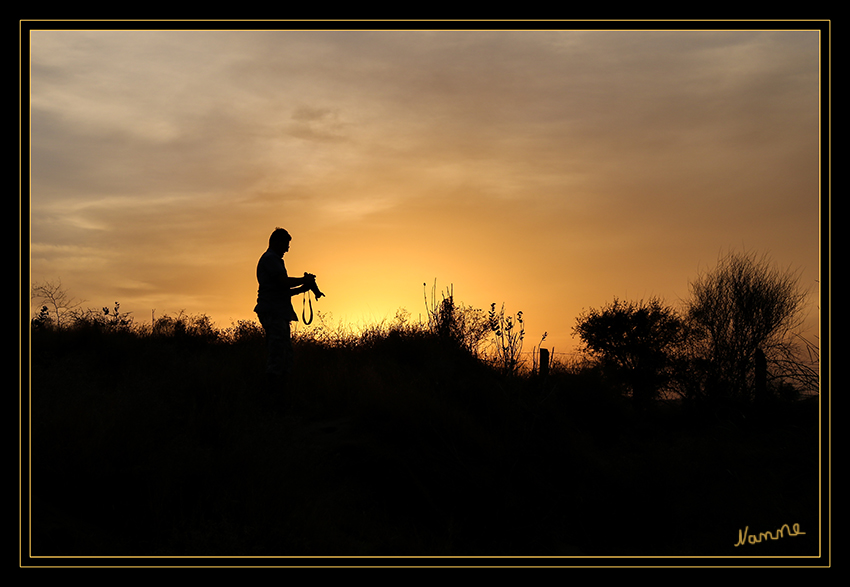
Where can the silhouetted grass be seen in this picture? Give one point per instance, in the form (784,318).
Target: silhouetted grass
(396,442)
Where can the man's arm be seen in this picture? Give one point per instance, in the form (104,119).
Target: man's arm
(297,285)
(291,282)
(299,290)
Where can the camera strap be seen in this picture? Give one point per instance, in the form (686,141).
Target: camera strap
(304,300)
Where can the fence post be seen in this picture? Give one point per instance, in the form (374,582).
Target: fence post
(544,362)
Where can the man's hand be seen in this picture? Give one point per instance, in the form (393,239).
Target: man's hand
(310,281)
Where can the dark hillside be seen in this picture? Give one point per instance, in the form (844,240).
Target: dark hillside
(395,443)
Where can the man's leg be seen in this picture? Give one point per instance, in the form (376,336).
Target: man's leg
(279,342)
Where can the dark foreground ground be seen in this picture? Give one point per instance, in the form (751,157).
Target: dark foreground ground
(395,447)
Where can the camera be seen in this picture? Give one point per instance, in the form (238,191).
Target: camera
(311,281)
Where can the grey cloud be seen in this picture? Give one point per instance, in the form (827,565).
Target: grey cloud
(321,124)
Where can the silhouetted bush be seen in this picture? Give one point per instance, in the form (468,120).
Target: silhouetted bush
(105,319)
(185,326)
(508,335)
(42,320)
(634,341)
(243,331)
(463,325)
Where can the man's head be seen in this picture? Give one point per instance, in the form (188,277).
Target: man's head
(279,241)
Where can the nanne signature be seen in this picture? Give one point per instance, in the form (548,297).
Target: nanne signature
(743,538)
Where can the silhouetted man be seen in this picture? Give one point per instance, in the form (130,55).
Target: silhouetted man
(274,307)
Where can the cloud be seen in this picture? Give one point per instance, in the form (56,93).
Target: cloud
(317,124)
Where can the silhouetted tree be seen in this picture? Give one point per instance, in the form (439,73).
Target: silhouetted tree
(635,341)
(742,305)
(61,307)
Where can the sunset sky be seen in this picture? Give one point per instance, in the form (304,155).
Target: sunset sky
(547,170)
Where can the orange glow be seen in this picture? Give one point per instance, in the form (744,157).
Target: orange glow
(547,171)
